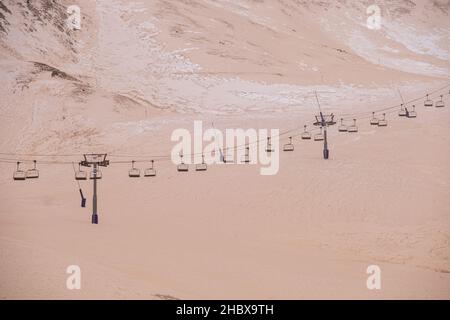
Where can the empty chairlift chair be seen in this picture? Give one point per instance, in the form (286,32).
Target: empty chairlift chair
(182,167)
(289,147)
(202,166)
(80,174)
(342,127)
(306,135)
(150,172)
(224,158)
(269,147)
(319,136)
(374,121)
(19,174)
(383,121)
(246,157)
(227,158)
(134,172)
(440,103)
(353,128)
(412,113)
(428,102)
(33,173)
(403,111)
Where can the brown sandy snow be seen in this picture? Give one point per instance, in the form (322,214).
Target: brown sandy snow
(139,69)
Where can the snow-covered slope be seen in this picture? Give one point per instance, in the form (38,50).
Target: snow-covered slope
(137,60)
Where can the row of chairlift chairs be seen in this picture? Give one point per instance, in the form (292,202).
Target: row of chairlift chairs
(134,172)
(408,113)
(353,128)
(184,167)
(374,121)
(20,174)
(439,104)
(80,174)
(306,135)
(405,112)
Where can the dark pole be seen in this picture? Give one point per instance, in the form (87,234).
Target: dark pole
(94,200)
(326,152)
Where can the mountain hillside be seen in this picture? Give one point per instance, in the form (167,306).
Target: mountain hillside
(137,62)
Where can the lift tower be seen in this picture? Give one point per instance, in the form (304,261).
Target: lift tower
(323,121)
(95,161)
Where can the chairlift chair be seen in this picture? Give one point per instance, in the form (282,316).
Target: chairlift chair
(150,172)
(383,121)
(353,128)
(319,136)
(201,166)
(289,147)
(19,174)
(342,127)
(412,113)
(403,111)
(134,172)
(33,173)
(428,102)
(246,158)
(80,174)
(228,158)
(374,121)
(182,167)
(306,135)
(440,103)
(225,156)
(269,148)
